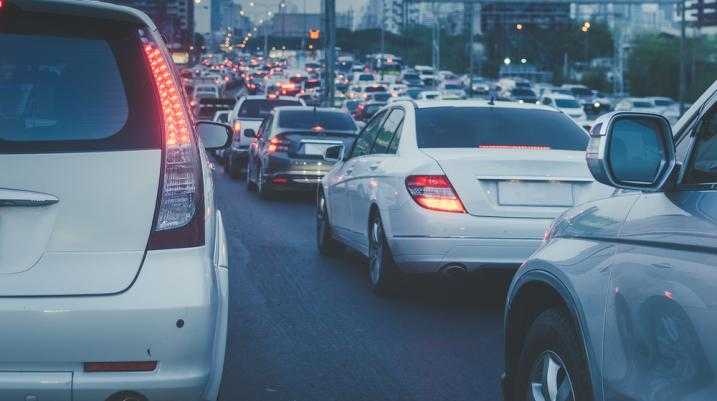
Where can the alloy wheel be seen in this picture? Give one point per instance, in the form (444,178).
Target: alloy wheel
(375,252)
(550,380)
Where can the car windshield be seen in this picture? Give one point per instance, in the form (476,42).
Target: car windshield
(641,105)
(452,87)
(260,108)
(373,89)
(663,102)
(310,119)
(365,77)
(581,92)
(567,103)
(522,92)
(373,108)
(381,97)
(475,127)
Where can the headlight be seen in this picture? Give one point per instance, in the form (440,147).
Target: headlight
(596,105)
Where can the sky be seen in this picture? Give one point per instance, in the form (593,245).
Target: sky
(312,6)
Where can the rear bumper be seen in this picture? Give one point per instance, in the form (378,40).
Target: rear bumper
(58,334)
(287,174)
(431,254)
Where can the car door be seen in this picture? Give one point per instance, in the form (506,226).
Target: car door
(371,176)
(353,169)
(662,312)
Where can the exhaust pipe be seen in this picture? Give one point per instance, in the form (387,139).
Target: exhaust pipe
(453,271)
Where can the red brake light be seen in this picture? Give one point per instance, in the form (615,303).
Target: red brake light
(179,221)
(434,192)
(277,144)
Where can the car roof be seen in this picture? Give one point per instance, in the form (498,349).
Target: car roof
(94,9)
(556,95)
(423,104)
(259,97)
(309,109)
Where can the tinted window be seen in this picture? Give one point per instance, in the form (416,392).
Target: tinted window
(381,97)
(663,102)
(470,127)
(72,84)
(703,165)
(365,77)
(581,92)
(453,87)
(311,84)
(396,139)
(308,119)
(373,89)
(522,92)
(371,108)
(567,103)
(260,108)
(641,105)
(364,142)
(385,134)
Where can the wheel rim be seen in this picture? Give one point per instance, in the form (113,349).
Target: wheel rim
(550,380)
(375,252)
(321,221)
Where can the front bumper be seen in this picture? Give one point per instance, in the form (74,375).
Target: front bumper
(58,334)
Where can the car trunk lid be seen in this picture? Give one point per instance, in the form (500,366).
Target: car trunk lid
(525,183)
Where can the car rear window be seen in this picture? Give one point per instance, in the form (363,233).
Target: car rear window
(308,119)
(567,103)
(472,127)
(73,84)
(260,108)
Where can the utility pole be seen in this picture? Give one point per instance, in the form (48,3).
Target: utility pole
(329,50)
(469,9)
(436,46)
(683,59)
(383,37)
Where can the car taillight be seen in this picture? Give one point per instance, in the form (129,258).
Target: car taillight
(278,144)
(434,192)
(178,221)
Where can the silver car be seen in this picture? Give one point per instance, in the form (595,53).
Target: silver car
(620,303)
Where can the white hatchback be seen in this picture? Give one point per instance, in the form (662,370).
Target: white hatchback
(113,258)
(452,186)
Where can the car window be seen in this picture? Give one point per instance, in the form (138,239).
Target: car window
(385,133)
(365,141)
(393,148)
(260,108)
(64,88)
(702,168)
(470,127)
(308,119)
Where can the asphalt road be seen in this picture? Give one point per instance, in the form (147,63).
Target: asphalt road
(304,327)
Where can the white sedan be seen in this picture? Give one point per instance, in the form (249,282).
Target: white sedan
(452,186)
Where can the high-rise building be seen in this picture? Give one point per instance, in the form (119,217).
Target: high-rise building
(389,14)
(174,18)
(203,17)
(498,15)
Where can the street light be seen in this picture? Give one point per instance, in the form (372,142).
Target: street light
(519,27)
(523,60)
(506,61)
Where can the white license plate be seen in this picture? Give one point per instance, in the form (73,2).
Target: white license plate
(531,193)
(316,149)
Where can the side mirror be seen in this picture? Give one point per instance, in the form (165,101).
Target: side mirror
(214,135)
(632,151)
(249,133)
(334,154)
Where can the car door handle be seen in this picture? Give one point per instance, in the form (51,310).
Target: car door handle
(374,166)
(13,197)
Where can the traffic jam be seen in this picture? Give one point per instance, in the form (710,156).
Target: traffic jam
(229,230)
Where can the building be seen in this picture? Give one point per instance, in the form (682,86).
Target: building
(293,25)
(389,14)
(174,19)
(345,20)
(203,17)
(702,14)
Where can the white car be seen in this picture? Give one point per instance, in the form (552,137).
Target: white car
(568,105)
(113,256)
(642,105)
(430,95)
(452,186)
(206,91)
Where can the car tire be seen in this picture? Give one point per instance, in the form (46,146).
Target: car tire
(325,241)
(250,184)
(382,271)
(261,187)
(552,345)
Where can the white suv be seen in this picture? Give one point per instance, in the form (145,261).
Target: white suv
(113,259)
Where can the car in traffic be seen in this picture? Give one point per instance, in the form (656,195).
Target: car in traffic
(452,89)
(248,113)
(366,110)
(637,104)
(114,257)
(619,302)
(521,95)
(206,91)
(450,187)
(568,105)
(288,148)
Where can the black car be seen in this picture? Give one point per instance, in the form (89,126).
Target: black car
(288,150)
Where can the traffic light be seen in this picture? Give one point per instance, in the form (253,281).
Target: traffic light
(314,39)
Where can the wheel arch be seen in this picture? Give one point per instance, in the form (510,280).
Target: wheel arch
(531,294)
